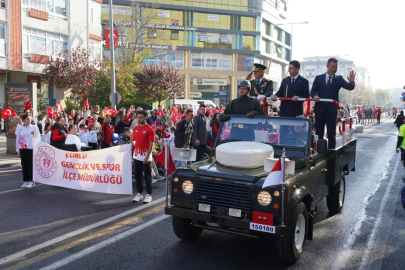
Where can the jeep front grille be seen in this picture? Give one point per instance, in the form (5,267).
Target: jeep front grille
(224,194)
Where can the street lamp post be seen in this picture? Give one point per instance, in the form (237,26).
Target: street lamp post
(112,65)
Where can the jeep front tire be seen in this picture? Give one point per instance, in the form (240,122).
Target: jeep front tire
(291,245)
(184,230)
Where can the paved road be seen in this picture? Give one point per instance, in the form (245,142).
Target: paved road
(48,227)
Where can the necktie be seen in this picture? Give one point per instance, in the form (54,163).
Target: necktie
(328,84)
(292,80)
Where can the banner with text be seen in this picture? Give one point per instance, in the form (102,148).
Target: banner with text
(105,170)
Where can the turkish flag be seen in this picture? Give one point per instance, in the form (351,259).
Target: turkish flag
(49,112)
(86,103)
(109,111)
(108,38)
(55,114)
(28,105)
(275,177)
(160,113)
(59,106)
(90,121)
(7,112)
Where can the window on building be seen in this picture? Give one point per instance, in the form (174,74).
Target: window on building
(95,49)
(217,21)
(214,40)
(249,43)
(267,26)
(287,54)
(277,50)
(151,33)
(43,43)
(266,45)
(247,23)
(55,8)
(3,3)
(94,12)
(287,39)
(174,35)
(2,39)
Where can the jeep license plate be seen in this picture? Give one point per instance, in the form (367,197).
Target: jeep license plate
(262,228)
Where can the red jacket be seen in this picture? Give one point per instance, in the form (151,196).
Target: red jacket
(107,132)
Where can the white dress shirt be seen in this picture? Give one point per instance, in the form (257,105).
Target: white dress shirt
(73,139)
(327,78)
(295,78)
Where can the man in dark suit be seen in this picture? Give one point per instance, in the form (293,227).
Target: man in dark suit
(260,86)
(200,132)
(294,87)
(328,86)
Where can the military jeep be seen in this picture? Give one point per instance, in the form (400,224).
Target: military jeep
(226,194)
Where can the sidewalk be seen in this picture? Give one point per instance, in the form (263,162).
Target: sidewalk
(6,160)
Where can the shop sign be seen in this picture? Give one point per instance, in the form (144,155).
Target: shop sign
(212,17)
(117,10)
(195,94)
(174,25)
(163,13)
(199,81)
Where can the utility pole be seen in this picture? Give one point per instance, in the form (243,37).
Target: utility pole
(112,65)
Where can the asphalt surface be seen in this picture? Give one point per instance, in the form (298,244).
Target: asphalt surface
(49,227)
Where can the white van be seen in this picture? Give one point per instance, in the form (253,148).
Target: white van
(195,104)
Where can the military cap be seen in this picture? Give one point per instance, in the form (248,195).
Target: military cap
(258,67)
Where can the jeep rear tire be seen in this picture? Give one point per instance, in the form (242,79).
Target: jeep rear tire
(291,245)
(184,230)
(336,198)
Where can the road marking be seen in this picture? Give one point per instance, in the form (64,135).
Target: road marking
(12,190)
(371,241)
(22,253)
(104,244)
(8,171)
(344,256)
(77,242)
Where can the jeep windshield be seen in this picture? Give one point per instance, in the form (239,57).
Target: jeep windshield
(286,132)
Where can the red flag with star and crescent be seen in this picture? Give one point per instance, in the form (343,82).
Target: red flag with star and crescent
(160,113)
(86,103)
(49,112)
(28,105)
(8,113)
(109,111)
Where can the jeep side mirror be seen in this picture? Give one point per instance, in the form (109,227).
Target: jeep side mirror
(322,146)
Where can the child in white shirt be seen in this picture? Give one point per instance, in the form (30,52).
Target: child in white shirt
(84,134)
(93,136)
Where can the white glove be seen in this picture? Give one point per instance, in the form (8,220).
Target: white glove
(260,97)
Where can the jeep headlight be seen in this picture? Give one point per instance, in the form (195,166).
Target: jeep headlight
(264,198)
(187,187)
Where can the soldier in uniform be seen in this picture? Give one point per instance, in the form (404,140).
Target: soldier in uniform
(261,87)
(244,104)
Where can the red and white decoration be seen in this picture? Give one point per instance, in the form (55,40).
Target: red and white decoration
(8,113)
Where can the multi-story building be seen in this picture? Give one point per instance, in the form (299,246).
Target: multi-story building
(31,31)
(313,66)
(214,42)
(365,75)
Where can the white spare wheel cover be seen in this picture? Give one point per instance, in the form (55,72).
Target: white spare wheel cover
(243,154)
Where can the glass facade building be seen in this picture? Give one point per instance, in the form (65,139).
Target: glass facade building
(207,39)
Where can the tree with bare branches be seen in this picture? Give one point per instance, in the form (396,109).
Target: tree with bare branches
(159,82)
(74,70)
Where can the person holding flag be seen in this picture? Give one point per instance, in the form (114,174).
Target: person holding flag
(24,148)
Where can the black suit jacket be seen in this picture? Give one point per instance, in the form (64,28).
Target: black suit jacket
(299,88)
(179,135)
(319,88)
(264,88)
(200,128)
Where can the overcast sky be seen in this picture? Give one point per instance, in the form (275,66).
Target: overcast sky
(369,32)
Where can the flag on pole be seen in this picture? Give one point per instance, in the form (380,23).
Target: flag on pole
(90,121)
(109,111)
(28,105)
(160,113)
(276,176)
(8,113)
(86,103)
(49,112)
(59,106)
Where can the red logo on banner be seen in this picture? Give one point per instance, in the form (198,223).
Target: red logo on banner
(108,38)
(45,162)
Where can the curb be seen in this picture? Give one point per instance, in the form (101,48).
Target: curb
(7,165)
